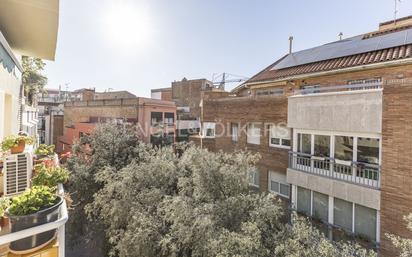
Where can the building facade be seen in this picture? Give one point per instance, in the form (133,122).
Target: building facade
(332,126)
(187,95)
(154,119)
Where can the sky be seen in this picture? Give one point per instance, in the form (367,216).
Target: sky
(138,45)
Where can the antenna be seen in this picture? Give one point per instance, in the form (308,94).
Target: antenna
(395,12)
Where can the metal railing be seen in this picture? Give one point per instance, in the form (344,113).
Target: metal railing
(339,88)
(59,224)
(359,173)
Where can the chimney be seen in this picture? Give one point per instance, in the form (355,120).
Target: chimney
(401,22)
(340,35)
(290,44)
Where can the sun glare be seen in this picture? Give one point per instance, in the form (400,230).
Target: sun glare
(127,24)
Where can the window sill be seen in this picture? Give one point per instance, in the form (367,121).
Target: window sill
(280,146)
(279,194)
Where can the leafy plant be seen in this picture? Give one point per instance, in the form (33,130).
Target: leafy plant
(32,78)
(14,140)
(4,204)
(47,175)
(33,200)
(44,149)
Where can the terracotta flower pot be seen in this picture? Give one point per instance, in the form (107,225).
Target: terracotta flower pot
(19,148)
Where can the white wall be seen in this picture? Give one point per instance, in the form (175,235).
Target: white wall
(351,111)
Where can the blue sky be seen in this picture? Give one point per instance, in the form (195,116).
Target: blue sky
(143,44)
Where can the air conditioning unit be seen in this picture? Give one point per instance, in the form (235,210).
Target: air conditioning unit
(17,172)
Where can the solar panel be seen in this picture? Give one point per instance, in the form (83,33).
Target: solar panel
(350,46)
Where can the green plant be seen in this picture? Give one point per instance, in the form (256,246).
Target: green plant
(14,140)
(44,149)
(49,175)
(33,200)
(4,204)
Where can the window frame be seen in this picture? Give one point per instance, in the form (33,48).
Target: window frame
(234,136)
(206,126)
(280,145)
(251,135)
(280,183)
(254,172)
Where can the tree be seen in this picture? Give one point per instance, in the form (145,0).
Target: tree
(156,203)
(403,244)
(32,79)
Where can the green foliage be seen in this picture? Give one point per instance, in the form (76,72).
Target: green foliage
(33,200)
(50,176)
(44,149)
(32,79)
(14,140)
(4,204)
(403,244)
(113,146)
(156,203)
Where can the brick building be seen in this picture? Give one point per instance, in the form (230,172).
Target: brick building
(333,125)
(187,94)
(152,118)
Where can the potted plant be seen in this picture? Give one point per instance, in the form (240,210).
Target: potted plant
(44,151)
(49,175)
(16,144)
(4,204)
(37,206)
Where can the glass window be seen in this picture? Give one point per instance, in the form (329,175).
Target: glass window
(342,214)
(235,131)
(322,146)
(156,117)
(365,221)
(284,190)
(368,150)
(279,136)
(209,129)
(344,148)
(254,177)
(304,143)
(274,186)
(278,183)
(303,201)
(169,118)
(320,206)
(253,134)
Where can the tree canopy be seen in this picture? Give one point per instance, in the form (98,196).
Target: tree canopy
(190,203)
(32,79)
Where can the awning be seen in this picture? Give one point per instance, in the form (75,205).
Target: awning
(31,27)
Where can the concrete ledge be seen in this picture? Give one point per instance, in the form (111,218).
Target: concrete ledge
(350,192)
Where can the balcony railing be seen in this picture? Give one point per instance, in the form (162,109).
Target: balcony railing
(59,224)
(339,88)
(364,174)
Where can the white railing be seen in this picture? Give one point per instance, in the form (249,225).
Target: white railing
(58,224)
(364,174)
(338,88)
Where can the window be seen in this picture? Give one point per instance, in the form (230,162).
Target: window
(209,129)
(278,184)
(276,91)
(304,201)
(320,206)
(322,146)
(368,150)
(344,148)
(170,138)
(365,221)
(304,143)
(156,118)
(169,118)
(254,177)
(235,131)
(253,134)
(279,136)
(343,214)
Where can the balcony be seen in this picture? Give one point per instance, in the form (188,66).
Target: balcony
(358,173)
(346,108)
(54,248)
